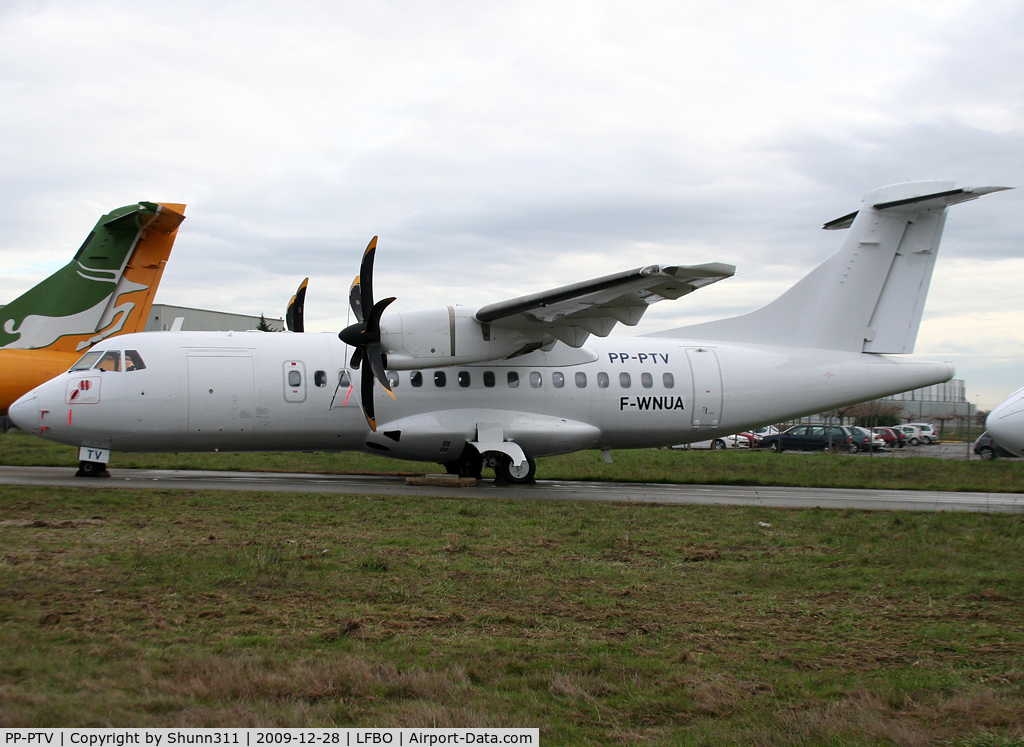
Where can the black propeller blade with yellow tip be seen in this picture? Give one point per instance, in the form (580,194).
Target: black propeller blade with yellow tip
(364,335)
(295,316)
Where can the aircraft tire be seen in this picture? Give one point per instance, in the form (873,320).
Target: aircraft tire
(507,473)
(92,469)
(987,452)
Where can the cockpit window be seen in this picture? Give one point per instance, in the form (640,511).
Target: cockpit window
(86,361)
(111,361)
(133,361)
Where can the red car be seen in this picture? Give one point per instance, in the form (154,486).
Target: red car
(893,440)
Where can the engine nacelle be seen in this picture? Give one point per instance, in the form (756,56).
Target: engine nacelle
(446,336)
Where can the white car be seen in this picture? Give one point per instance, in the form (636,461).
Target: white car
(912,434)
(718,444)
(928,432)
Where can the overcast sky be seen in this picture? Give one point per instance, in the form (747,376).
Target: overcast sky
(505,148)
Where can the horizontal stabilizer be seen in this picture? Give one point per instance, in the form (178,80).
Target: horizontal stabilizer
(923,202)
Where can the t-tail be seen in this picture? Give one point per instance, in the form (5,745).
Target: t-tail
(869,295)
(107,289)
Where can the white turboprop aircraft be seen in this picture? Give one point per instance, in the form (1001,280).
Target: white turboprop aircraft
(501,385)
(1006,423)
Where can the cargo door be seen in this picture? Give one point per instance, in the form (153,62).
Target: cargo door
(221,393)
(706,375)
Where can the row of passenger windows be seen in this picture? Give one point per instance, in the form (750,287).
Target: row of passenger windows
(536,379)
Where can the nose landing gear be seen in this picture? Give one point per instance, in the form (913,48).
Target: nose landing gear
(92,469)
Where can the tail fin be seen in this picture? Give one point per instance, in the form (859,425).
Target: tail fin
(107,289)
(869,295)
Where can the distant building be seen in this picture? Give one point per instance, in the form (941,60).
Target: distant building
(947,400)
(162,316)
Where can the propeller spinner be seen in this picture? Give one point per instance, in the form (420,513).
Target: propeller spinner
(364,335)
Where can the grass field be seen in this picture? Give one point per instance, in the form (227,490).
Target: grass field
(601,624)
(738,467)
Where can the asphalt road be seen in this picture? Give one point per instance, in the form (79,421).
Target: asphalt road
(886,500)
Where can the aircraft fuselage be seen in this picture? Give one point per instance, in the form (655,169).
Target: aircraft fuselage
(253,391)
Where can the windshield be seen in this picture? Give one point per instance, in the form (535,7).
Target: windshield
(87,360)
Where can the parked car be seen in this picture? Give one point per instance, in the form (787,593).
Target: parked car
(810,437)
(756,434)
(987,448)
(738,440)
(863,439)
(892,438)
(928,432)
(911,433)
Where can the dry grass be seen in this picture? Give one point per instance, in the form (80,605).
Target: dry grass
(601,624)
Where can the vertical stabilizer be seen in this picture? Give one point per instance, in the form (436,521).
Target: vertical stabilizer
(869,295)
(107,289)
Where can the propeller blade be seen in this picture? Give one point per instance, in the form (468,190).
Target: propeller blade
(366,275)
(366,397)
(373,321)
(375,361)
(295,315)
(357,358)
(355,300)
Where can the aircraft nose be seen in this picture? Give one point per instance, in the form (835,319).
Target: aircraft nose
(25,410)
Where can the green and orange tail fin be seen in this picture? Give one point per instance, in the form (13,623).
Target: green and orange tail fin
(107,289)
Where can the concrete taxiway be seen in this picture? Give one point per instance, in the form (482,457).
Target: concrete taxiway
(611,492)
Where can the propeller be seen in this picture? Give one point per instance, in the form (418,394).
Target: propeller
(364,335)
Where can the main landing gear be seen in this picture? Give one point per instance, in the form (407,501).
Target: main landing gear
(92,469)
(471,464)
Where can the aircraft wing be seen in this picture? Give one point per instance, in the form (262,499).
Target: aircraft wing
(574,312)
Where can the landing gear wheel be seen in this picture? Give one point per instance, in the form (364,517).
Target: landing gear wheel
(92,469)
(507,472)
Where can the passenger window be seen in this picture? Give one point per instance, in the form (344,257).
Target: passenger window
(624,380)
(392,379)
(602,380)
(111,361)
(535,379)
(294,378)
(581,379)
(416,378)
(319,378)
(344,380)
(513,379)
(464,378)
(646,380)
(133,361)
(558,379)
(87,360)
(668,380)
(488,378)
(440,379)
